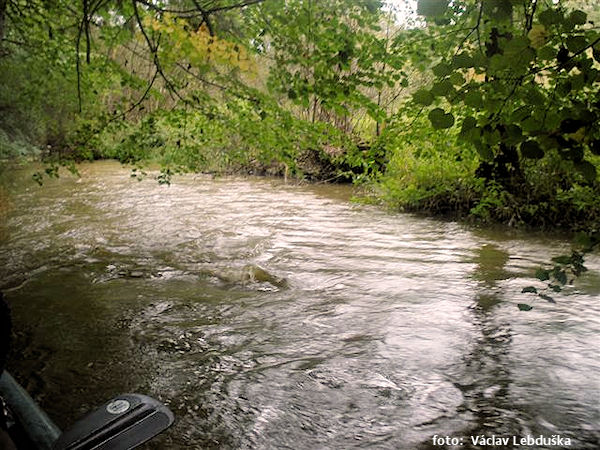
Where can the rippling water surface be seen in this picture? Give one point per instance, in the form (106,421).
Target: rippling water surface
(278,316)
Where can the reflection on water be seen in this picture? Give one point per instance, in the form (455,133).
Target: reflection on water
(276,316)
(486,376)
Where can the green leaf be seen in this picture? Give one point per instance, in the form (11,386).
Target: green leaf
(480,60)
(550,17)
(587,169)
(498,9)
(462,60)
(560,276)
(531,124)
(552,120)
(564,87)
(533,96)
(468,124)
(547,53)
(442,21)
(563,259)
(542,274)
(423,97)
(491,136)
(547,298)
(516,45)
(431,8)
(442,69)
(518,53)
(532,150)
(474,99)
(499,63)
(596,52)
(519,114)
(576,43)
(484,151)
(578,81)
(442,88)
(457,79)
(513,135)
(577,17)
(524,307)
(439,119)
(529,289)
(591,75)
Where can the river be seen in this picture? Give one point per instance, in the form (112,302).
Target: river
(274,315)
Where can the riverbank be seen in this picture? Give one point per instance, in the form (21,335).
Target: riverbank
(426,183)
(412,169)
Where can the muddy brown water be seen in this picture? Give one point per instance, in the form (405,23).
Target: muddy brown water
(272,315)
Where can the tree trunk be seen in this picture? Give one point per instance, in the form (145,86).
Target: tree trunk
(86,24)
(3,4)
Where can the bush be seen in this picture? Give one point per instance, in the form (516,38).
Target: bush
(428,171)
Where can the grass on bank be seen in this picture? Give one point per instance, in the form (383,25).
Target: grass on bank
(432,172)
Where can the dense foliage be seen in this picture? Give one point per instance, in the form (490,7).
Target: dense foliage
(471,108)
(522,87)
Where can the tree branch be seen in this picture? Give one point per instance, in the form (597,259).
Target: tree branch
(239,5)
(3,4)
(86,26)
(198,10)
(205,18)
(78,65)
